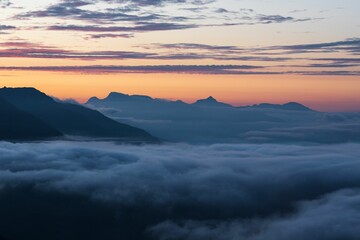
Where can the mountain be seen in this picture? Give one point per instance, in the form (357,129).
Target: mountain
(210,121)
(19,125)
(70,119)
(206,120)
(115,97)
(125,100)
(139,105)
(210,102)
(292,106)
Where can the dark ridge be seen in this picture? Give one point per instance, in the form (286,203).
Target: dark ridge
(210,102)
(115,97)
(69,118)
(292,106)
(19,125)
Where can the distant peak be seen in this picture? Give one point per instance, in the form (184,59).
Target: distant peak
(296,106)
(24,91)
(287,106)
(117,94)
(24,94)
(211,98)
(211,102)
(293,103)
(20,89)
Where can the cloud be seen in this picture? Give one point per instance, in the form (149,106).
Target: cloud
(71,9)
(326,133)
(274,18)
(273,53)
(6,27)
(194,69)
(334,216)
(22,48)
(139,27)
(144,15)
(5,3)
(131,12)
(349,45)
(183,191)
(109,35)
(190,69)
(328,73)
(277,59)
(161,2)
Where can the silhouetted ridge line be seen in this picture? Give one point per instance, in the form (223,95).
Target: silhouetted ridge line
(293,106)
(211,102)
(71,119)
(115,97)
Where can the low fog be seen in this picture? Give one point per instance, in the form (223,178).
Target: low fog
(92,190)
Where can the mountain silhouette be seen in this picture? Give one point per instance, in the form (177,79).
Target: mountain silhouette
(210,121)
(125,100)
(292,106)
(206,120)
(70,119)
(19,125)
(210,102)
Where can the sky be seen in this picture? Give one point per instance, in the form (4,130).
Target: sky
(239,51)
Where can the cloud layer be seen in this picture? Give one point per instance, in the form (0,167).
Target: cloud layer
(157,33)
(179,191)
(278,60)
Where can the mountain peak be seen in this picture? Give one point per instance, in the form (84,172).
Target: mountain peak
(293,106)
(116,96)
(296,106)
(211,102)
(24,93)
(211,99)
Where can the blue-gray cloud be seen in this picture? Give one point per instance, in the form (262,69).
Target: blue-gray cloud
(5,3)
(145,13)
(193,69)
(349,45)
(224,191)
(139,27)
(6,27)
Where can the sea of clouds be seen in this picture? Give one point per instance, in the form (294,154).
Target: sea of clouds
(101,190)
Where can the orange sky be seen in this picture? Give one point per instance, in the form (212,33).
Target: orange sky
(240,52)
(325,93)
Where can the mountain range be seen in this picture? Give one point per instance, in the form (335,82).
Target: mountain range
(211,121)
(30,114)
(115,97)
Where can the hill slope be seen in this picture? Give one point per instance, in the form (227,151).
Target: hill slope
(70,119)
(19,125)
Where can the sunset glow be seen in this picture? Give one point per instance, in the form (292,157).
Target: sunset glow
(241,52)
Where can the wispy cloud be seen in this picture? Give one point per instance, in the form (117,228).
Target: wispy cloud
(349,45)
(139,27)
(188,69)
(276,59)
(5,3)
(109,35)
(145,15)
(6,27)
(192,69)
